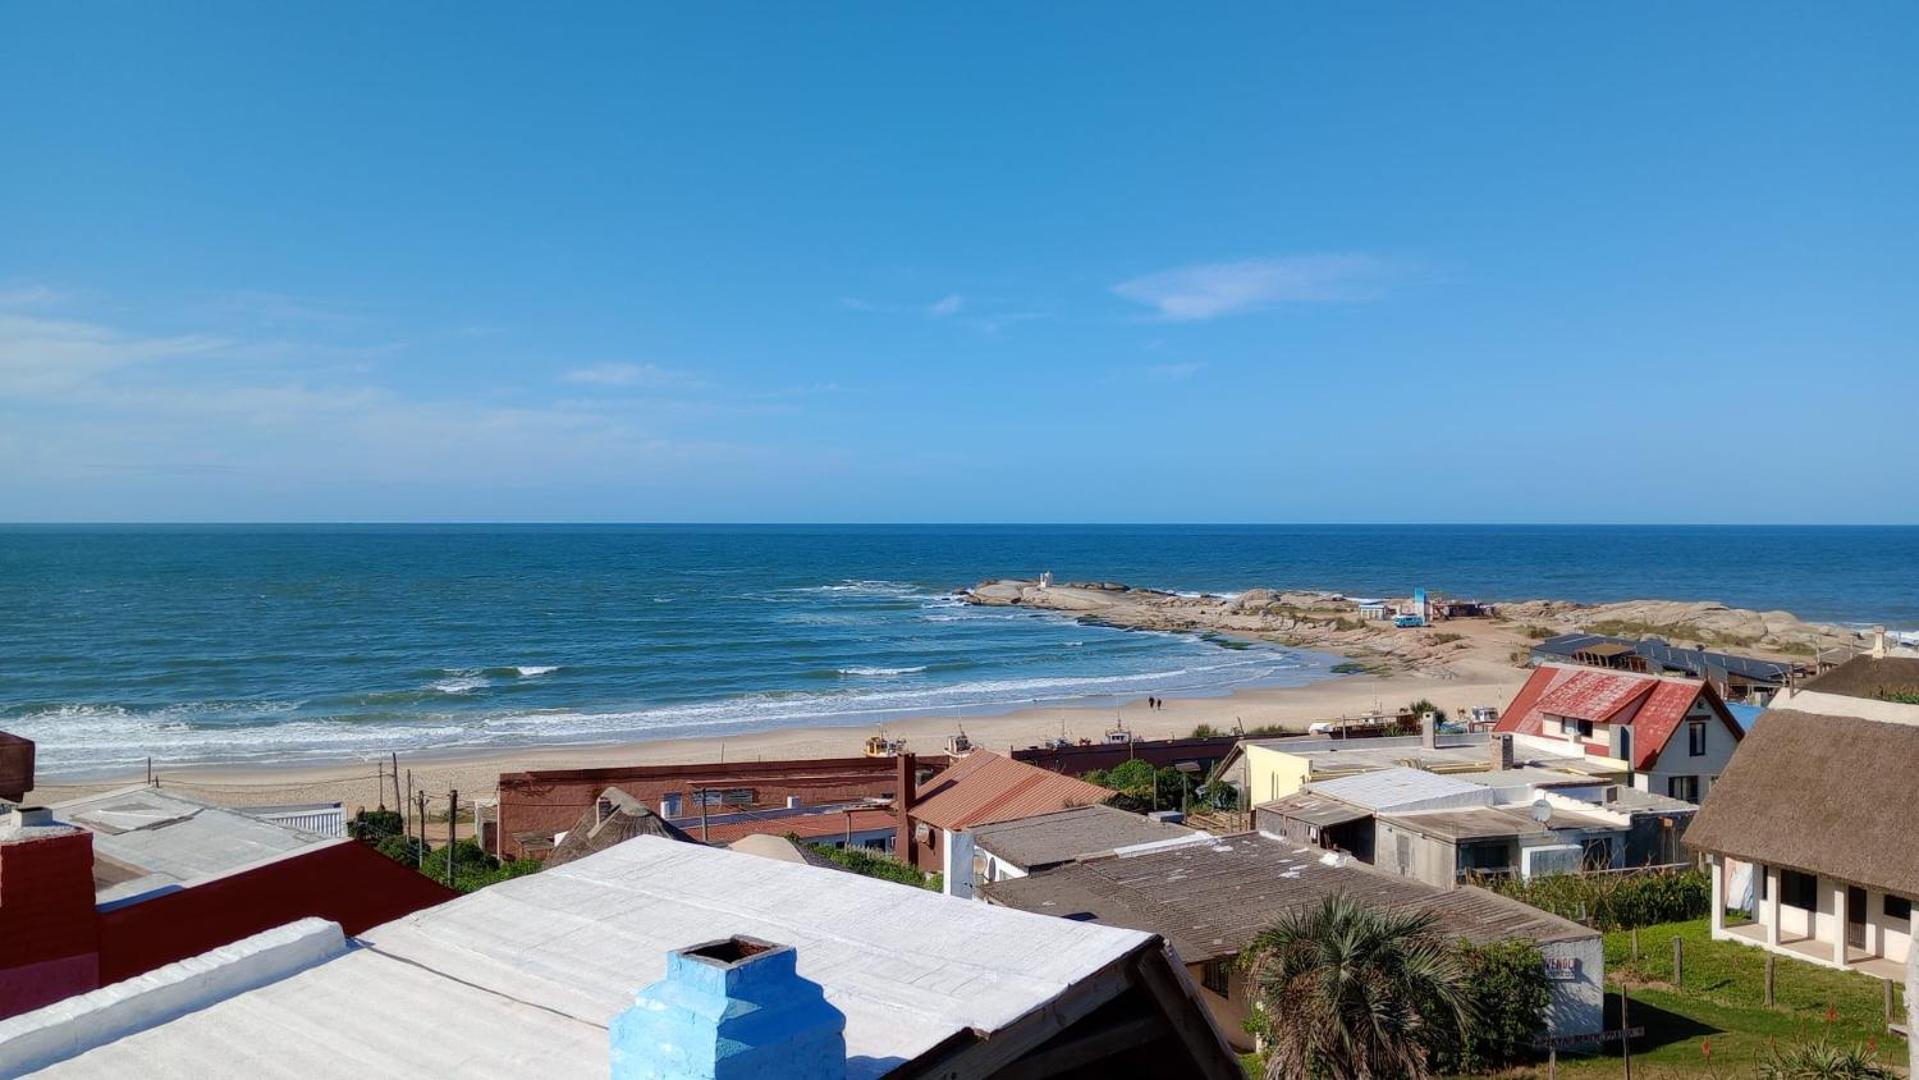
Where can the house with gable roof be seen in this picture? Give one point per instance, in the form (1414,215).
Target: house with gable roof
(1674,735)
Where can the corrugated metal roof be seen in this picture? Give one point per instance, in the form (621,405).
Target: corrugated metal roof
(1474,823)
(1605,696)
(825,824)
(1695,662)
(1383,789)
(1594,694)
(1315,809)
(1048,839)
(984,787)
(170,839)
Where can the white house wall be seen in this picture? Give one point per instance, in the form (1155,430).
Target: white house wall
(1676,759)
(1578,1003)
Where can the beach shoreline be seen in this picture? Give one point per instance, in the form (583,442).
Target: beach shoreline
(475,772)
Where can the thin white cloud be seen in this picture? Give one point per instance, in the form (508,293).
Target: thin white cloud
(630,375)
(13,297)
(946,306)
(89,399)
(1210,290)
(1174,372)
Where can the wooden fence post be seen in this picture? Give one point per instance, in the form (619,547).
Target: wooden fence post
(452,824)
(1678,961)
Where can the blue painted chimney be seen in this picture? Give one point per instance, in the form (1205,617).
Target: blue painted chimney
(728,1010)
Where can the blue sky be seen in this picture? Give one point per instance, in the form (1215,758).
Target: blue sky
(862,262)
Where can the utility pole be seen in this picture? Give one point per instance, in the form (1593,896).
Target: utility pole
(379,774)
(1625,1025)
(396,779)
(700,794)
(407,806)
(452,814)
(420,822)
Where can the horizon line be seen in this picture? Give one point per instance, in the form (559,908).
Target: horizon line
(810,523)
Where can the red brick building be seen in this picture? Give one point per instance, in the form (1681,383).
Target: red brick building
(110,887)
(536,805)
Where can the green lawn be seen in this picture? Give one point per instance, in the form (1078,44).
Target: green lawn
(1722,1002)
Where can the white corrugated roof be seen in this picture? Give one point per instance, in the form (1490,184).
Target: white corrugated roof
(173,840)
(521,978)
(1404,789)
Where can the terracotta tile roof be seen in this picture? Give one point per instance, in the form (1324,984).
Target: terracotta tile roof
(984,787)
(1653,706)
(823,825)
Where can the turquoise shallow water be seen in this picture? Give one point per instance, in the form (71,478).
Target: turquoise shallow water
(290,643)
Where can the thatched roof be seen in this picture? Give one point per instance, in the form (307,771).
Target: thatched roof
(1823,794)
(614,817)
(1876,677)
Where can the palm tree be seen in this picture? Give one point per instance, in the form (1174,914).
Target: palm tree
(1347,991)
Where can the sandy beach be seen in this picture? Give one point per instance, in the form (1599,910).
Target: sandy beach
(1458,664)
(1469,681)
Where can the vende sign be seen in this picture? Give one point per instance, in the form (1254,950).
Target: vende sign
(1562,968)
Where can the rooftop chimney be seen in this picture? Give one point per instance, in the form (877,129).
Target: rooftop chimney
(729,1010)
(1878,643)
(905,785)
(16,766)
(1502,748)
(1429,731)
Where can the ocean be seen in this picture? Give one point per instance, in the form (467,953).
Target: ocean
(193,644)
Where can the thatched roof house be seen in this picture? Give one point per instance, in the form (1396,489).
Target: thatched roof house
(1811,826)
(1822,794)
(613,817)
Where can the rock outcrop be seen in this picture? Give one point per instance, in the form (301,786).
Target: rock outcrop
(1330,621)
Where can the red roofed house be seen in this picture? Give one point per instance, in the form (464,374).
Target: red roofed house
(978,789)
(1675,734)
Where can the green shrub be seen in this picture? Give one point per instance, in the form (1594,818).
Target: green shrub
(1424,706)
(874,865)
(1142,788)
(373,826)
(1615,901)
(1350,667)
(1508,994)
(473,868)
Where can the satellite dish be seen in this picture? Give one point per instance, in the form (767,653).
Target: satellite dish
(1542,811)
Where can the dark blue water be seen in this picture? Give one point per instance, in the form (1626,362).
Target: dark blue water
(282,643)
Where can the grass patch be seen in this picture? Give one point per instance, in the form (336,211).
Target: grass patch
(1538,633)
(1722,1001)
(1351,667)
(1445,638)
